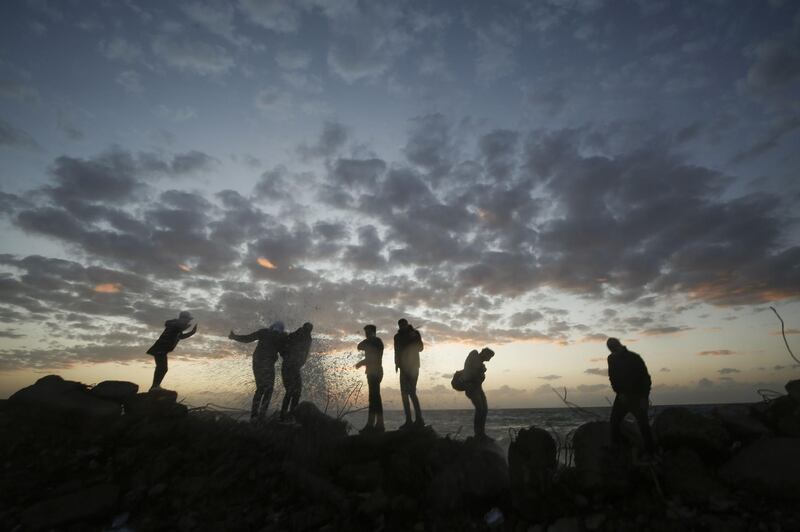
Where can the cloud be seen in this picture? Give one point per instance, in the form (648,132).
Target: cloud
(717,352)
(331,139)
(667,329)
(592,388)
(727,371)
(131,81)
(704,383)
(119,49)
(14,137)
(18,91)
(281,16)
(664,370)
(195,57)
(600,372)
(550,377)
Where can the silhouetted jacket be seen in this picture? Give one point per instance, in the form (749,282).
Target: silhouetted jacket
(373,354)
(298,345)
(270,343)
(407,346)
(628,373)
(173,332)
(474,370)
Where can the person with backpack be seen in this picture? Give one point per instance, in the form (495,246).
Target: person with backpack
(470,380)
(407,346)
(631,382)
(167,342)
(298,346)
(271,341)
(372,346)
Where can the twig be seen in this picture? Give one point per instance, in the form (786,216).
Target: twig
(575,408)
(783,333)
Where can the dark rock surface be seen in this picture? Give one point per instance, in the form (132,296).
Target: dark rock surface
(68,398)
(769,466)
(677,427)
(119,391)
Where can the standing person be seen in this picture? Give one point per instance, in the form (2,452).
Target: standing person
(470,380)
(166,343)
(631,382)
(373,360)
(270,342)
(298,345)
(407,346)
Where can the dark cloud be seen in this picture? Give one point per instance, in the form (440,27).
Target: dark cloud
(526,317)
(357,172)
(600,372)
(15,137)
(727,371)
(332,138)
(550,377)
(717,352)
(431,145)
(667,329)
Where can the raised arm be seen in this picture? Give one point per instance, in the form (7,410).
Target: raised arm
(244,338)
(184,336)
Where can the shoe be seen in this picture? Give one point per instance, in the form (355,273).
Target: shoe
(419,423)
(156,388)
(405,426)
(380,429)
(369,429)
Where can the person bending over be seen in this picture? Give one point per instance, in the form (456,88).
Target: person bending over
(298,346)
(631,382)
(471,381)
(166,343)
(270,342)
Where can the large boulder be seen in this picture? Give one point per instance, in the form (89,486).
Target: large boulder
(477,480)
(677,427)
(90,503)
(155,404)
(793,389)
(599,465)
(532,462)
(685,475)
(740,422)
(769,466)
(68,398)
(119,391)
(313,419)
(781,414)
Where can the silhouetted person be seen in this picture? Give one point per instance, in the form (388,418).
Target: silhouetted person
(373,360)
(270,342)
(472,378)
(298,345)
(166,343)
(631,382)
(407,346)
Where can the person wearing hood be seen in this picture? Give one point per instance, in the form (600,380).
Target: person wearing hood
(631,382)
(295,355)
(470,380)
(166,343)
(271,341)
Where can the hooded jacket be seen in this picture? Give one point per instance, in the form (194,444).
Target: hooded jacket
(628,373)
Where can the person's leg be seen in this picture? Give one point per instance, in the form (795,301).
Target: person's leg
(378,403)
(161,369)
(269,386)
(414,399)
(473,397)
(297,389)
(256,406)
(481,413)
(640,413)
(287,391)
(404,393)
(618,411)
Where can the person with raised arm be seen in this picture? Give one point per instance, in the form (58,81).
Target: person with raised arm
(271,341)
(372,346)
(295,355)
(167,342)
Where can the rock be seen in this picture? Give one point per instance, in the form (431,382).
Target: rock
(65,397)
(477,480)
(677,427)
(361,476)
(740,422)
(769,466)
(598,464)
(782,414)
(119,391)
(685,475)
(155,404)
(565,524)
(313,419)
(594,521)
(87,504)
(531,465)
(793,389)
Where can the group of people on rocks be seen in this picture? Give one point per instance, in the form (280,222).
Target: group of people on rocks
(627,373)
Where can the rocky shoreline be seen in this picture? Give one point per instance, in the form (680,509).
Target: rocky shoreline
(109,458)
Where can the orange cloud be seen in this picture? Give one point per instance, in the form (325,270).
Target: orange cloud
(184,267)
(266,263)
(717,352)
(108,288)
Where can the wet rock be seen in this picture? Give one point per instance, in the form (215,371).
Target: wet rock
(531,464)
(769,466)
(313,419)
(594,521)
(598,464)
(685,475)
(477,480)
(677,427)
(155,404)
(565,524)
(793,389)
(782,414)
(65,397)
(118,391)
(361,477)
(87,504)
(740,422)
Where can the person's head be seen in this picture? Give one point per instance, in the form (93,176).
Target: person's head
(614,345)
(370,331)
(486,354)
(186,316)
(277,326)
(308,326)
(402,324)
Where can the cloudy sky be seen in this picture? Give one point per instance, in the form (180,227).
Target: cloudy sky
(533,176)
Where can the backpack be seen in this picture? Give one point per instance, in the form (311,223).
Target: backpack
(458,381)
